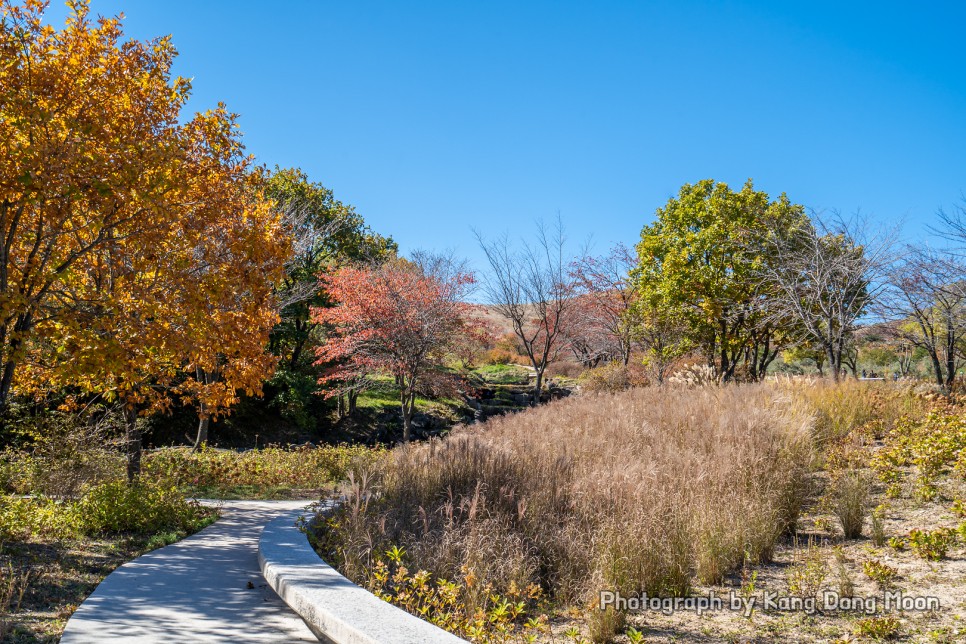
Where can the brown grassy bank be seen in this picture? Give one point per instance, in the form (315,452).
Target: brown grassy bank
(648,490)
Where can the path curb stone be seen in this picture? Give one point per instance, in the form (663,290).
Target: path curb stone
(334,608)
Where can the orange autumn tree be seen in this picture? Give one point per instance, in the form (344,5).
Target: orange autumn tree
(138,253)
(396,318)
(88,131)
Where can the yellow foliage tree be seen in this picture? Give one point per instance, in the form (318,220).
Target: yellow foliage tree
(137,254)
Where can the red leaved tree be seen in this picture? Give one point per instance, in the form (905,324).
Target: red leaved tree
(395,318)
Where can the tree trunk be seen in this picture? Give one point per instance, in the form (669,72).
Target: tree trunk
(353,397)
(202,437)
(950,356)
(302,336)
(407,400)
(537,387)
(9,367)
(133,443)
(835,365)
(937,367)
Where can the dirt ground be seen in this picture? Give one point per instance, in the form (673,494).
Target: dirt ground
(836,565)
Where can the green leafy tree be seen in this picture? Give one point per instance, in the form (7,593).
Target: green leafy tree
(327,234)
(701,260)
(806,353)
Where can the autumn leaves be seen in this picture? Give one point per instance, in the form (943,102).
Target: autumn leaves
(138,253)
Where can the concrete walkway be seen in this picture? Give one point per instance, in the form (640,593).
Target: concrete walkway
(196,590)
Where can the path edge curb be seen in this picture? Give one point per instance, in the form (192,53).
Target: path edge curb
(334,608)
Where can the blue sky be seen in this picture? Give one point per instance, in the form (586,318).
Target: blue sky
(436,117)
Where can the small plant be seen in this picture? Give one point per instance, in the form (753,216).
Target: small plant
(879,628)
(13,584)
(878,526)
(925,490)
(635,636)
(602,625)
(140,507)
(897,543)
(806,575)
(932,545)
(846,585)
(748,580)
(822,524)
(959,508)
(881,573)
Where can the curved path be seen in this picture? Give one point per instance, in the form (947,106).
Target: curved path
(196,590)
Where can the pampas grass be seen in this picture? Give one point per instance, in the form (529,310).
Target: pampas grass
(639,491)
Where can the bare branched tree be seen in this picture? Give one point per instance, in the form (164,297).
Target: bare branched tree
(310,248)
(605,292)
(532,289)
(826,274)
(926,304)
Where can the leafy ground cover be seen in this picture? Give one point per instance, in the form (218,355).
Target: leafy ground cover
(53,553)
(68,518)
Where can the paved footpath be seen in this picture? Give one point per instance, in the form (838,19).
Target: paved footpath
(196,590)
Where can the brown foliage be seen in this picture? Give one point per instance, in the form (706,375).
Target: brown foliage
(638,491)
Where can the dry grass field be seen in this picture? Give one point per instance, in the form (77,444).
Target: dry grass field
(648,490)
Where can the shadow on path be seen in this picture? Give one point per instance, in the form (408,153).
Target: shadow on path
(196,590)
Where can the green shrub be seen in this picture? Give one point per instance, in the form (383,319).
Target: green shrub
(304,467)
(25,518)
(881,573)
(142,508)
(879,628)
(934,544)
(878,526)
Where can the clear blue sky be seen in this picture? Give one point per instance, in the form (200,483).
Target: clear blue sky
(433,117)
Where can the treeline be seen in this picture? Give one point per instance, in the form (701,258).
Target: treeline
(730,280)
(147,261)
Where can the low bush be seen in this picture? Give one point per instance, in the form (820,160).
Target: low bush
(141,508)
(565,369)
(208,469)
(610,377)
(23,518)
(113,507)
(881,573)
(932,544)
(885,627)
